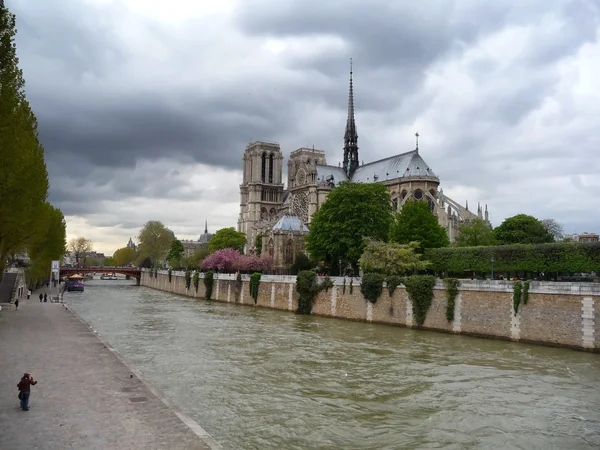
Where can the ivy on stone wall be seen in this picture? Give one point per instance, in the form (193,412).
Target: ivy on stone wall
(420,292)
(208,284)
(451,294)
(238,287)
(196,280)
(557,257)
(525,292)
(188,279)
(350,287)
(517,293)
(371,286)
(308,287)
(393,282)
(254,283)
(155,273)
(170,274)
(344,286)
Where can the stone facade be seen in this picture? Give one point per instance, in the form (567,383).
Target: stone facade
(557,314)
(263,198)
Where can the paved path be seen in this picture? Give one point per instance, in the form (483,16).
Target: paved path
(86,397)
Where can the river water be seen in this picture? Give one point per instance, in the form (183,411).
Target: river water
(261,379)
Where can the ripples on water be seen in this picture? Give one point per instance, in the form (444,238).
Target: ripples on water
(261,379)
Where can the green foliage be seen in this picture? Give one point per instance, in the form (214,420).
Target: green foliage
(155,273)
(258,244)
(24,212)
(155,241)
(517,294)
(238,286)
(475,233)
(416,223)
(109,261)
(352,212)
(522,229)
(170,274)
(254,284)
(227,238)
(558,257)
(391,258)
(393,282)
(420,292)
(193,262)
(451,293)
(196,281)
(124,256)
(208,283)
(350,286)
(371,286)
(344,286)
(525,292)
(188,279)
(176,250)
(301,263)
(308,287)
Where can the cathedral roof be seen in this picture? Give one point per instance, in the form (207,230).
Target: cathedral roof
(324,172)
(290,223)
(409,164)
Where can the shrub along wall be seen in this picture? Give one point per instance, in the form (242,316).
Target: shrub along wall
(561,314)
(559,257)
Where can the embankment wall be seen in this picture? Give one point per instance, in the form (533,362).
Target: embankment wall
(557,314)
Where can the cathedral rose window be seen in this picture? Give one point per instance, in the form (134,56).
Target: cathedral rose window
(418,194)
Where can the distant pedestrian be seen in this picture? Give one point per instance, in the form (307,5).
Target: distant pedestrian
(28,293)
(17,304)
(45,297)
(24,387)
(41,297)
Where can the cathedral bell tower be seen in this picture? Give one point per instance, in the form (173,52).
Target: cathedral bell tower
(350,136)
(261,191)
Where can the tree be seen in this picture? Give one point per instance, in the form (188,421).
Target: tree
(23,174)
(80,246)
(123,256)
(258,244)
(176,250)
(391,258)
(301,263)
(522,229)
(352,212)
(227,238)
(193,262)
(554,228)
(224,259)
(416,223)
(109,261)
(475,233)
(155,240)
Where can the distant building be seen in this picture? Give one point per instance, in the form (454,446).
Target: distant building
(585,237)
(191,246)
(130,244)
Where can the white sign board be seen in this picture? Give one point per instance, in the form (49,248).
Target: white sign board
(55,266)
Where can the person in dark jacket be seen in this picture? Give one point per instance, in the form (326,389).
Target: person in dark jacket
(25,389)
(45,297)
(41,298)
(17,304)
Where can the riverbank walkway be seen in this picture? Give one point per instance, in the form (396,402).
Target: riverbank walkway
(86,397)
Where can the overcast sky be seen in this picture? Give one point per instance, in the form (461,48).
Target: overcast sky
(145,106)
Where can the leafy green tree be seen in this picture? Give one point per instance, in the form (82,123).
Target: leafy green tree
(193,262)
(227,238)
(258,244)
(391,258)
(301,263)
(522,229)
(123,256)
(352,212)
(23,174)
(475,233)
(80,246)
(109,261)
(176,250)
(155,241)
(48,244)
(416,223)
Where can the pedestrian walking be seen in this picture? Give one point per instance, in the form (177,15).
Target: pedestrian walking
(41,297)
(45,297)
(17,304)
(28,293)
(24,387)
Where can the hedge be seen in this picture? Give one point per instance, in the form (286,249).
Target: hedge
(557,257)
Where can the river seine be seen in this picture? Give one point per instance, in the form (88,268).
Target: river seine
(261,379)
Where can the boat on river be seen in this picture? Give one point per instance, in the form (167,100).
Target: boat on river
(108,276)
(75,283)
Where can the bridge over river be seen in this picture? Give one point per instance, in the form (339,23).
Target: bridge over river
(264,379)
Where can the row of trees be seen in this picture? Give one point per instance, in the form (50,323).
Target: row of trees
(28,223)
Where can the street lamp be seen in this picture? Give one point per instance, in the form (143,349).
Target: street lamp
(492,260)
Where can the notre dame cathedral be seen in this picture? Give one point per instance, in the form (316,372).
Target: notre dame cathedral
(280,215)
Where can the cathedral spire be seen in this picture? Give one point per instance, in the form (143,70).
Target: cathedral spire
(350,135)
(205,226)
